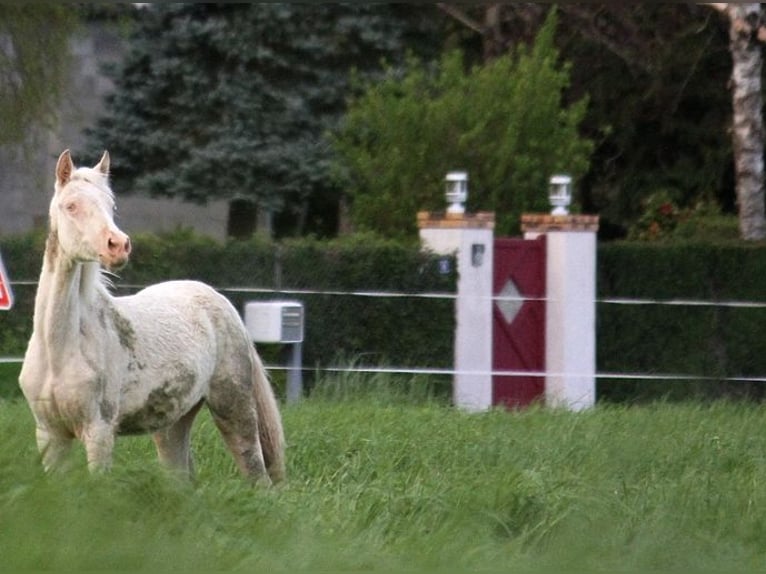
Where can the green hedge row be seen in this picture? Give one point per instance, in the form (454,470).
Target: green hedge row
(409,331)
(710,343)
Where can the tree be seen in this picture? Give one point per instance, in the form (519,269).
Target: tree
(503,122)
(746,33)
(653,73)
(33,63)
(500,25)
(233,101)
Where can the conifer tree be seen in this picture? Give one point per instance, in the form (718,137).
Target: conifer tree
(233,101)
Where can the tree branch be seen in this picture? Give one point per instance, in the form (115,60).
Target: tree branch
(462,17)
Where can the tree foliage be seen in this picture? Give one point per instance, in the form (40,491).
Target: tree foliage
(656,74)
(233,101)
(503,122)
(33,63)
(659,110)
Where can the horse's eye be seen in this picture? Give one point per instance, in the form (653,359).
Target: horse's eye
(71,207)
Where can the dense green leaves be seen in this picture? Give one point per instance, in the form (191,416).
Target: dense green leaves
(657,76)
(504,122)
(400,330)
(705,341)
(234,100)
(703,336)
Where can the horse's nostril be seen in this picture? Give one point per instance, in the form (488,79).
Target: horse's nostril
(117,246)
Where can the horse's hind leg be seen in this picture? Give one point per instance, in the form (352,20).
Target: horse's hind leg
(174,443)
(53,448)
(235,416)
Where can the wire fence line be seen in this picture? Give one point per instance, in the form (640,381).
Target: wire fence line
(371,369)
(616,376)
(626,301)
(515,373)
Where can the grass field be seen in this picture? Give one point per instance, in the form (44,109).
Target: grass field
(392,483)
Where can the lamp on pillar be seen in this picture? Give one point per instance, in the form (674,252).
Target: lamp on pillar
(456,191)
(560,194)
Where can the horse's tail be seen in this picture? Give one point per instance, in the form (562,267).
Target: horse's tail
(270,430)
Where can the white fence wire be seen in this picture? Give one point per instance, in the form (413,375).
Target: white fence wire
(615,376)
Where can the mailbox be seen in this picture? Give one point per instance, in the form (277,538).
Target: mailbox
(280,322)
(274,321)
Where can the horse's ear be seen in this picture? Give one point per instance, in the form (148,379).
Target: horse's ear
(103,164)
(64,168)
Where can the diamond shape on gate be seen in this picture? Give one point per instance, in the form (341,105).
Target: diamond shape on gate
(509,301)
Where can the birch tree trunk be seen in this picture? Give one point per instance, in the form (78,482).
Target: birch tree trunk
(745,36)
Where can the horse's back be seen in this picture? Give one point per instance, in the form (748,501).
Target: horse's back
(184,299)
(175,293)
(181,317)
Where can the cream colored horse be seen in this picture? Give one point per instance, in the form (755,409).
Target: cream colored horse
(98,366)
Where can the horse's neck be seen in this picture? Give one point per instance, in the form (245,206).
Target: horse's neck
(66,295)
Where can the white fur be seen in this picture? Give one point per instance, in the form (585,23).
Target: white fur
(98,366)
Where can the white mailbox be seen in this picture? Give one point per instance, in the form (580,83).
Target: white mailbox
(274,321)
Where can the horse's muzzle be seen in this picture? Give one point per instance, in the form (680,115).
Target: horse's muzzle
(117,252)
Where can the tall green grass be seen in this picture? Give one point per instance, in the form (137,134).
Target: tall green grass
(383,480)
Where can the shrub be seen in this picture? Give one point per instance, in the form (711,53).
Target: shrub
(404,330)
(700,338)
(708,342)
(504,122)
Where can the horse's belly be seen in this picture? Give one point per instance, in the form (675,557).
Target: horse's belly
(149,410)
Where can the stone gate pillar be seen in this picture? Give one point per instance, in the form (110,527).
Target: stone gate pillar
(570,318)
(471,237)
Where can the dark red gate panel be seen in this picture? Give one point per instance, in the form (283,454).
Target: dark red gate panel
(518,328)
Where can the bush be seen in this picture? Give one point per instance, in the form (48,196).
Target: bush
(504,122)
(408,331)
(709,342)
(663,220)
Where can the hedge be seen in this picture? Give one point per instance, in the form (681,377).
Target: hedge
(709,343)
(406,331)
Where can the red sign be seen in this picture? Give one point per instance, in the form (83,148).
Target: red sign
(6,295)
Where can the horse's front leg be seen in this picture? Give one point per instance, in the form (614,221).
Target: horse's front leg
(53,448)
(98,438)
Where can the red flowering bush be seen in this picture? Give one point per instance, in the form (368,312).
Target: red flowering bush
(660,218)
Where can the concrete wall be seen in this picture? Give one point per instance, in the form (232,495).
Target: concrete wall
(26,171)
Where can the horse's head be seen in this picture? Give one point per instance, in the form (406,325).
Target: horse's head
(82,214)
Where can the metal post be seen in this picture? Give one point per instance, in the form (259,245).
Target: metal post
(295,373)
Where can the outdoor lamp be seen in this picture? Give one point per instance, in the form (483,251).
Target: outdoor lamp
(457,191)
(560,194)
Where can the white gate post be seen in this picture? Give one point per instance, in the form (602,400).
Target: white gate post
(570,313)
(471,238)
